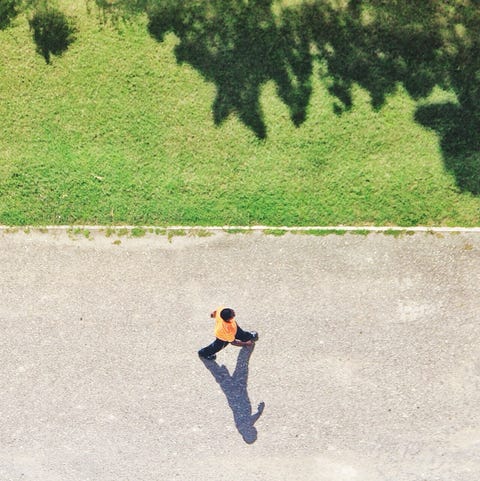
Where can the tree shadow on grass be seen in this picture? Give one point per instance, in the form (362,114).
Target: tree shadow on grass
(53,32)
(240,46)
(377,45)
(459,133)
(235,389)
(8,11)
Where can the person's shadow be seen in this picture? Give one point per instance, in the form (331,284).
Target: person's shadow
(235,388)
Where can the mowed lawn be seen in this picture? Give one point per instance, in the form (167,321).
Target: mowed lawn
(117,132)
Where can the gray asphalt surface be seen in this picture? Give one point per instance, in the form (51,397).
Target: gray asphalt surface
(367,365)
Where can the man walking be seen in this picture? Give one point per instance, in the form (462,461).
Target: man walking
(227,331)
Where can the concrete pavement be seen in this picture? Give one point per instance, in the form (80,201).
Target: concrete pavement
(367,367)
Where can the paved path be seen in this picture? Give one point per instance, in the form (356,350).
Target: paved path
(368,364)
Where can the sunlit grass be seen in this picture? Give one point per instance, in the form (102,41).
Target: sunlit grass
(115,131)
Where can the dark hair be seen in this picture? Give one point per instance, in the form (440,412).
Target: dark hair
(227,314)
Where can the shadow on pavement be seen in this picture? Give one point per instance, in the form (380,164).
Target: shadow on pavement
(235,389)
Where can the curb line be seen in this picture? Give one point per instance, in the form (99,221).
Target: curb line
(254,228)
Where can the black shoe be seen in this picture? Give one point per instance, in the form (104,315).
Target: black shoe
(208,358)
(254,335)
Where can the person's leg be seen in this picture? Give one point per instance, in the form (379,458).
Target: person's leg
(212,348)
(245,335)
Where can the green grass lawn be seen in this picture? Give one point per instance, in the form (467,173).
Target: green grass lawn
(116,132)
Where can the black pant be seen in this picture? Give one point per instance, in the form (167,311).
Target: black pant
(218,344)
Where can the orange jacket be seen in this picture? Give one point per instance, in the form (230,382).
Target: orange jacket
(224,330)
